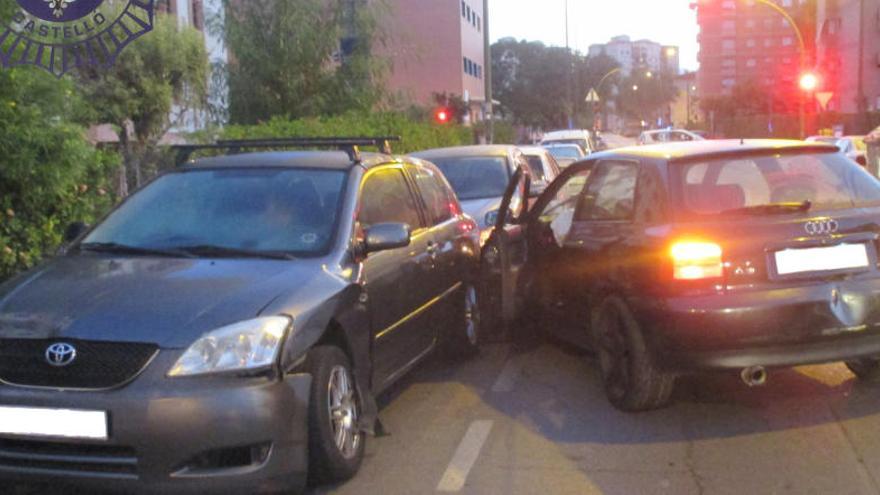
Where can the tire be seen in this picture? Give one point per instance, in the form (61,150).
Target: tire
(330,461)
(631,379)
(867,369)
(467,333)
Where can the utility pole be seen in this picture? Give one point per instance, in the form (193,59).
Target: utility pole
(487,74)
(862,103)
(569,104)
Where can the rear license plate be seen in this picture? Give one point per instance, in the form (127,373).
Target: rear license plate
(822,259)
(62,423)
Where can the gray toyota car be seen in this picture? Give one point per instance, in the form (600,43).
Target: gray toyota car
(227,327)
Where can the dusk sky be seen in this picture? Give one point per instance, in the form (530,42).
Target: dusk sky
(670,22)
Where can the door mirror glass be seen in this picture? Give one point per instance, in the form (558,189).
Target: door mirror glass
(537,188)
(386,236)
(73,231)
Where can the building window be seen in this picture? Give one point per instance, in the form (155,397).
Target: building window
(751,43)
(728,62)
(728,26)
(750,24)
(768,42)
(728,45)
(463,9)
(728,4)
(728,83)
(751,62)
(469,13)
(787,3)
(787,41)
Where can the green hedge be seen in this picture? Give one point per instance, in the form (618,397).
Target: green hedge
(415,135)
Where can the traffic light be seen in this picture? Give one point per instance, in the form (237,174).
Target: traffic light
(809,81)
(442,115)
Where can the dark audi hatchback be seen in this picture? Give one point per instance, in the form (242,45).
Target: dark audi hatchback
(227,327)
(742,255)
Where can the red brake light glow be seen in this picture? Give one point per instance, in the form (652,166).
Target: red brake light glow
(696,260)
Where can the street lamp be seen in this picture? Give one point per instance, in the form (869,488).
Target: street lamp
(649,74)
(809,82)
(635,87)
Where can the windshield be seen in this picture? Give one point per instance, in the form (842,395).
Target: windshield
(475,177)
(582,143)
(826,181)
(570,152)
(271,210)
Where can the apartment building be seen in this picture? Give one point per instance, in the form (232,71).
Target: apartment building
(639,55)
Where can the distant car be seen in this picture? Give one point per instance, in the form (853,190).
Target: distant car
(670,259)
(854,148)
(822,139)
(479,176)
(543,166)
(581,137)
(226,328)
(566,154)
(668,136)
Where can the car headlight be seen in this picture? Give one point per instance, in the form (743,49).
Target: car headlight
(247,345)
(491,218)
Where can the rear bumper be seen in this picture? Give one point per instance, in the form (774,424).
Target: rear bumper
(159,429)
(777,327)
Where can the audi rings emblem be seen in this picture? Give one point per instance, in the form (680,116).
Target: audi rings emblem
(60,354)
(822,227)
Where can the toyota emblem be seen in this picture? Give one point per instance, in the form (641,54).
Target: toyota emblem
(821,227)
(60,354)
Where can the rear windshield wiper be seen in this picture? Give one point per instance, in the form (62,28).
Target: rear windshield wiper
(209,250)
(113,247)
(771,209)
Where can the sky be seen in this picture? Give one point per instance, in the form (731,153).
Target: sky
(669,22)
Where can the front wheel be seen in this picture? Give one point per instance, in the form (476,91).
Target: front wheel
(336,444)
(631,379)
(865,368)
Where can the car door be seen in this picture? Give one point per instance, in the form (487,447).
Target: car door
(440,213)
(395,280)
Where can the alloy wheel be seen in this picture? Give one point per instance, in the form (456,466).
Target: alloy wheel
(343,412)
(471,315)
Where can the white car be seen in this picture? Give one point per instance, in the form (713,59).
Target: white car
(566,154)
(854,148)
(543,164)
(668,136)
(580,137)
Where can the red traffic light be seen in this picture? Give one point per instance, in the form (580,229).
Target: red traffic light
(442,115)
(809,81)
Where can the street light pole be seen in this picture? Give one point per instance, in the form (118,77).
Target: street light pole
(569,107)
(487,74)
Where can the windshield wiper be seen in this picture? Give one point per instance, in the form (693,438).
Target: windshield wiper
(771,209)
(209,250)
(113,247)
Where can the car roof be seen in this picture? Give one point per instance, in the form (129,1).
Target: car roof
(476,150)
(687,150)
(566,134)
(533,150)
(331,160)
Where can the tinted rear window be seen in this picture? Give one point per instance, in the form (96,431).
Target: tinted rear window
(537,166)
(475,177)
(829,181)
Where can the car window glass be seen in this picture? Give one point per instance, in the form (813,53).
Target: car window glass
(291,210)
(537,166)
(475,177)
(559,212)
(828,181)
(386,198)
(610,193)
(434,194)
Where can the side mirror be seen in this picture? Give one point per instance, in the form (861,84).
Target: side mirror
(73,231)
(385,236)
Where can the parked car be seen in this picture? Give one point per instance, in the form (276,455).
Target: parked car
(542,165)
(581,137)
(227,327)
(668,136)
(566,154)
(479,176)
(854,148)
(678,258)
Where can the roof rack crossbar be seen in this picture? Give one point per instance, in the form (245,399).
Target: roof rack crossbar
(351,145)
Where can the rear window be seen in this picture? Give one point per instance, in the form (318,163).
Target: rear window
(564,152)
(829,181)
(475,177)
(537,166)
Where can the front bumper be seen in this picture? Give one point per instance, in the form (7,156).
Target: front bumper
(775,327)
(182,435)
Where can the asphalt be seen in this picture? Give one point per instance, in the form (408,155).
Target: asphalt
(811,430)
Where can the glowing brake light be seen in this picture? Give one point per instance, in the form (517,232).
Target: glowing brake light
(695,260)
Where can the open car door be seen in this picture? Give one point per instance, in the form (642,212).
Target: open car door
(505,254)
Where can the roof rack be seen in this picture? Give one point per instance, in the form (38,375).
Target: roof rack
(350,145)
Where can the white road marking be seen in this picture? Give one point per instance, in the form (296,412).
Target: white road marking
(465,456)
(509,374)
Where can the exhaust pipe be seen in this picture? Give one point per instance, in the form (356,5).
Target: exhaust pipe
(754,376)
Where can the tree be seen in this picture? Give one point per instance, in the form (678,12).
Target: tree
(645,96)
(155,84)
(50,175)
(301,58)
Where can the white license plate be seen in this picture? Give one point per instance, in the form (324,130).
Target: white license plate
(63,423)
(822,259)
